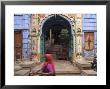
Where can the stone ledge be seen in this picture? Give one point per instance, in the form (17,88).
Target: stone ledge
(83,64)
(27,64)
(67,72)
(17,67)
(88,73)
(22,73)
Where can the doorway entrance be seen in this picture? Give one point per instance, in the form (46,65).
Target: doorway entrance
(17,45)
(57,34)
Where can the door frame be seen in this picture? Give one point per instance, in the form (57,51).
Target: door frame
(19,31)
(72,33)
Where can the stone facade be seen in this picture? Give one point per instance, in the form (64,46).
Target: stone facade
(76,26)
(76,21)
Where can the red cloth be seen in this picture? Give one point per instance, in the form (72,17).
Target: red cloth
(49,60)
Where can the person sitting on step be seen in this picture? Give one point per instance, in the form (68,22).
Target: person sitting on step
(48,68)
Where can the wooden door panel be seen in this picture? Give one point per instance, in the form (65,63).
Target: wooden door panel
(18,39)
(86,45)
(18,45)
(89,40)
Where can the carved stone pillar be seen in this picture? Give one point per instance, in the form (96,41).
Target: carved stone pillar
(78,36)
(79,42)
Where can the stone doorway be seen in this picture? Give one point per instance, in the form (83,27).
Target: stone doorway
(57,33)
(17,45)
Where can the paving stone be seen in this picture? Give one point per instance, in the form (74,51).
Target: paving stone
(37,67)
(62,67)
(17,67)
(27,63)
(22,73)
(81,63)
(88,73)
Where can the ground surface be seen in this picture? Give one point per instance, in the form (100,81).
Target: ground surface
(62,67)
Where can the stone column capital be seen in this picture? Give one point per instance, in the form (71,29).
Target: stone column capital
(79,34)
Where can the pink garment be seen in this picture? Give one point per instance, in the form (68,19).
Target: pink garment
(48,65)
(50,68)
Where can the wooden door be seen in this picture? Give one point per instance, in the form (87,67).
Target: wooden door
(89,40)
(17,45)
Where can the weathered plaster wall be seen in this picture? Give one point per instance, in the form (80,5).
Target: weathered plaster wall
(76,25)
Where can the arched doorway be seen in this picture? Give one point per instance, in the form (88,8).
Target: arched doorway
(57,32)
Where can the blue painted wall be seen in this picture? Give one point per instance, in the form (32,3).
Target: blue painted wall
(89,24)
(22,23)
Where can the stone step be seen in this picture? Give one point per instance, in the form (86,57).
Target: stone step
(83,64)
(57,45)
(63,68)
(68,72)
(22,72)
(88,73)
(64,73)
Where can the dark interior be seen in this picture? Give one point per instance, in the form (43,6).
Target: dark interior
(60,45)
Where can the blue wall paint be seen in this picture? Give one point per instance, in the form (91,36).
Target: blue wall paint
(24,40)
(89,28)
(25,34)
(25,43)
(89,24)
(89,15)
(22,23)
